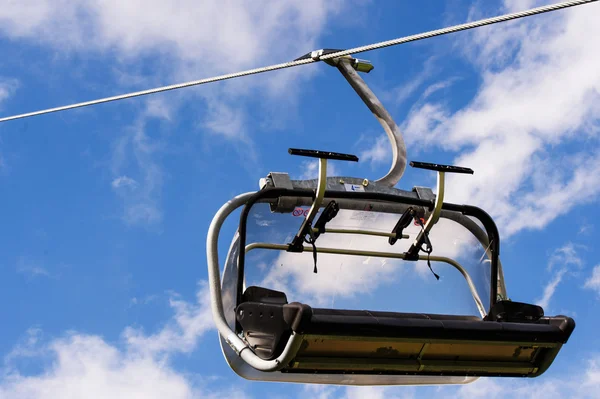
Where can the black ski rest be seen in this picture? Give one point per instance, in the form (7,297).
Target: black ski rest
(406,218)
(328,213)
(323,154)
(441,168)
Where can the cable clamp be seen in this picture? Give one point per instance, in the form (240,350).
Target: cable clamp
(316,55)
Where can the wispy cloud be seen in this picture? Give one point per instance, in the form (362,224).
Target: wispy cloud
(31,268)
(593,282)
(435,87)
(561,261)
(134,301)
(124,182)
(137,152)
(550,288)
(401,93)
(7,88)
(310,170)
(379,152)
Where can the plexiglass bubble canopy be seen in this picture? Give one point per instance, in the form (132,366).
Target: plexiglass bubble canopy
(310,256)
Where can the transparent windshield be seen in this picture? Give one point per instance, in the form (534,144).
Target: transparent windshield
(368,281)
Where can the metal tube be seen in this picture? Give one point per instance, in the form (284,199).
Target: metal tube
(365,232)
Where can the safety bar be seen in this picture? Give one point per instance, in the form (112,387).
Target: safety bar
(378,254)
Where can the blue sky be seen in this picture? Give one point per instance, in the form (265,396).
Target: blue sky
(104,210)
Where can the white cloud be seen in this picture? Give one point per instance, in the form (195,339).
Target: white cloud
(594,282)
(31,267)
(380,152)
(444,84)
(81,365)
(401,93)
(422,120)
(7,88)
(142,301)
(567,255)
(181,334)
(559,263)
(310,170)
(87,366)
(379,393)
(188,40)
(550,288)
(358,392)
(124,182)
(136,150)
(540,89)
(191,40)
(592,376)
(219,33)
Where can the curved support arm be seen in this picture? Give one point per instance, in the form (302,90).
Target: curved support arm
(385,119)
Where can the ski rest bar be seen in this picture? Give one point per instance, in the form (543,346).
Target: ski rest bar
(323,154)
(441,168)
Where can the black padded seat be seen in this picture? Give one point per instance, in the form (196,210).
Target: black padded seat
(363,341)
(433,326)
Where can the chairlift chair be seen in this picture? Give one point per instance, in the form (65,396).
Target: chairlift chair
(264,336)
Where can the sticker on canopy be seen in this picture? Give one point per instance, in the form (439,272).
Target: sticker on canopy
(354,187)
(300,212)
(364,216)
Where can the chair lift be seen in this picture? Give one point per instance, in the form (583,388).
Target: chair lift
(265,337)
